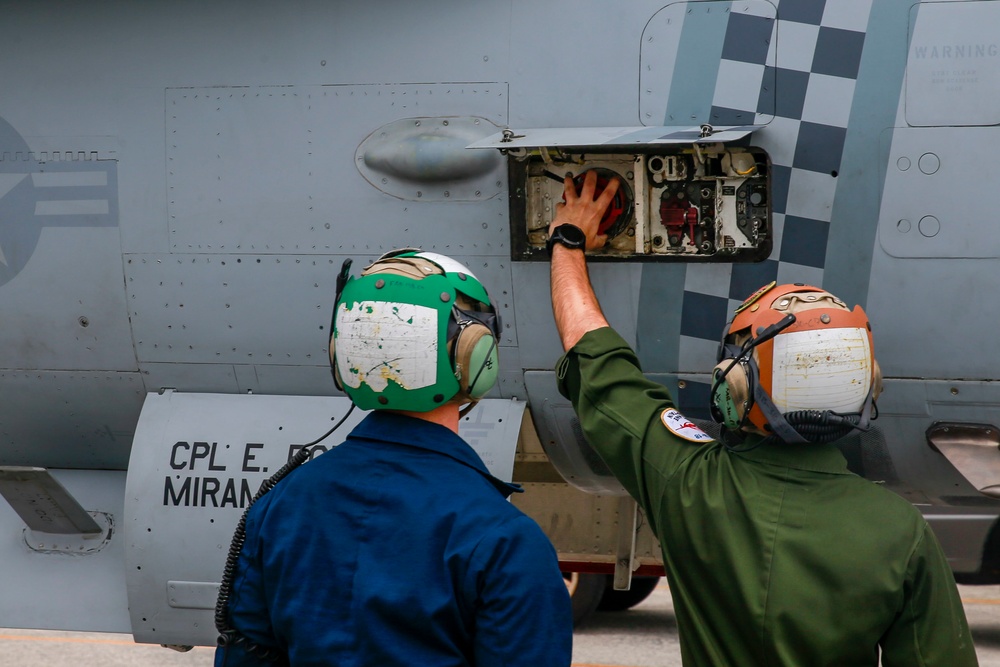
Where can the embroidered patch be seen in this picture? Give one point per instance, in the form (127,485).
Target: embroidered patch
(683,427)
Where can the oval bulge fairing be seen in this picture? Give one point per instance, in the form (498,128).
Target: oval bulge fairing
(425,151)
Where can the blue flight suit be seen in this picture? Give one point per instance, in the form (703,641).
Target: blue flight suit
(398,548)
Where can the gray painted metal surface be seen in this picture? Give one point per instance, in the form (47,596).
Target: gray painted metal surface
(55,588)
(290,192)
(70,419)
(916,221)
(950,76)
(563,441)
(43,503)
(610,136)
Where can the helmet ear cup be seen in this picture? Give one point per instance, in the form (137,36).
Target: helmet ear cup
(476,360)
(731,395)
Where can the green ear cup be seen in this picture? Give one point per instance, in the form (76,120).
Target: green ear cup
(723,400)
(484,367)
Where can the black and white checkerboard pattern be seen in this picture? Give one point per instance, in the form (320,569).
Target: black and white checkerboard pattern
(795,74)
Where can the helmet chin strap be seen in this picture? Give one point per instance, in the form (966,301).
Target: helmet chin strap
(779,426)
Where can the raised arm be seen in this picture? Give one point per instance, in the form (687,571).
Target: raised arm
(574,303)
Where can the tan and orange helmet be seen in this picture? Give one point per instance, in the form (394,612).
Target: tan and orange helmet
(797,363)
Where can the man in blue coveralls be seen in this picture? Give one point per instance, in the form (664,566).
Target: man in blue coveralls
(398,547)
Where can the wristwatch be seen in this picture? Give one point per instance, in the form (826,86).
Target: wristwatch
(568,235)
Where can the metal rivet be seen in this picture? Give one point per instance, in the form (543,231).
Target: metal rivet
(824,318)
(445,297)
(379,284)
(438,398)
(383,400)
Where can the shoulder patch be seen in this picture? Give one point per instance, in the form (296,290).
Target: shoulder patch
(683,427)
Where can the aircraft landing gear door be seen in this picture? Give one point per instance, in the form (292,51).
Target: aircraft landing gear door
(690,194)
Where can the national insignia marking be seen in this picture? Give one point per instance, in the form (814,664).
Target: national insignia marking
(683,427)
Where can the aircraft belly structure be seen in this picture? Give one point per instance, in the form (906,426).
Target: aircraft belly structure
(179,189)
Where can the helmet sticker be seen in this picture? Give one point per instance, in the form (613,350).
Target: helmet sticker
(821,369)
(367,329)
(683,427)
(446,263)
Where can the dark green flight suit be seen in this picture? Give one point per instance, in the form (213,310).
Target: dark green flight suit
(775,556)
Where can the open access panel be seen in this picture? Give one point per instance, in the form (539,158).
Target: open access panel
(686,193)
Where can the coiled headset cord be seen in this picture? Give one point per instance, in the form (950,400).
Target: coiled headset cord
(817,426)
(227,634)
(826,425)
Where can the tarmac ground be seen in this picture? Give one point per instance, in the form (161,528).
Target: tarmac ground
(644,636)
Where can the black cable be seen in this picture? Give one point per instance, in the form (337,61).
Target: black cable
(815,426)
(482,367)
(763,335)
(227,634)
(342,279)
(823,426)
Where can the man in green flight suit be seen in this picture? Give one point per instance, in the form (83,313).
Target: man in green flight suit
(775,553)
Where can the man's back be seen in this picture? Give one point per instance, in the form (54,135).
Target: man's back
(776,554)
(398,548)
(813,555)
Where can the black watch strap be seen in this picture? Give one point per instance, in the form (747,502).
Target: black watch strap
(567,235)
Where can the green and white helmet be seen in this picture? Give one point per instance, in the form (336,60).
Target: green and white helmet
(414,331)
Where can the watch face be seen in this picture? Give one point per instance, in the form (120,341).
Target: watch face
(573,234)
(567,235)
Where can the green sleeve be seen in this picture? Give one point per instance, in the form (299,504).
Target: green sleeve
(617,406)
(930,629)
